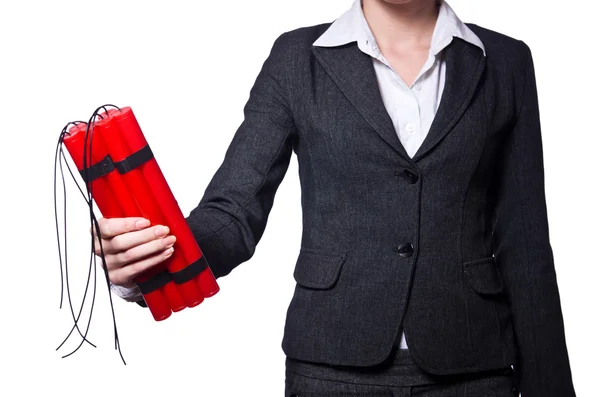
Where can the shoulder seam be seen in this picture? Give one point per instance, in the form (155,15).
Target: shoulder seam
(526,75)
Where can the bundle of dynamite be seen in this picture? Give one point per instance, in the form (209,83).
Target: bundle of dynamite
(124,180)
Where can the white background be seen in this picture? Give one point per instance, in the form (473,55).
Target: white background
(186,69)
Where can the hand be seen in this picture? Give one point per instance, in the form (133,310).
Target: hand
(131,247)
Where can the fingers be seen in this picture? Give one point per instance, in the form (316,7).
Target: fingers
(130,247)
(111,227)
(126,241)
(139,252)
(126,274)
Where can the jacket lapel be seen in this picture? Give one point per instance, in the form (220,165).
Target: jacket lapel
(354,74)
(465,64)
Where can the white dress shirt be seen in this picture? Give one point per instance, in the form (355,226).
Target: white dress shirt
(413,108)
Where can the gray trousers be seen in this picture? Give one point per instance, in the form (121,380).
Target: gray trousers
(399,376)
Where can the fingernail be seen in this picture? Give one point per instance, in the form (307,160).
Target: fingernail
(162,231)
(142,223)
(169,251)
(169,241)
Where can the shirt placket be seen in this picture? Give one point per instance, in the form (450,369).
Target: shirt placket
(408,119)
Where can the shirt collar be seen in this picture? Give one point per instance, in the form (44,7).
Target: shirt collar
(352,26)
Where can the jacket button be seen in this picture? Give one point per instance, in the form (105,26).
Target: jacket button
(410,176)
(405,250)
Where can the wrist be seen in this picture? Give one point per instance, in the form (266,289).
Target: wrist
(129,293)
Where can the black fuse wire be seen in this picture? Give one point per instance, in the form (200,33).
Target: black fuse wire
(59,157)
(87,155)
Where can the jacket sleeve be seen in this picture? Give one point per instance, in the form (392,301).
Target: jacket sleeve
(231,216)
(523,252)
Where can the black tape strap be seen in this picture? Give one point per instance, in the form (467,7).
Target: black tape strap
(134,160)
(155,282)
(183,276)
(98,170)
(189,272)
(106,165)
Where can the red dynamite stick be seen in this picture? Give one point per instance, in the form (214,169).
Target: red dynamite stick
(101,192)
(105,199)
(131,208)
(110,206)
(119,150)
(134,137)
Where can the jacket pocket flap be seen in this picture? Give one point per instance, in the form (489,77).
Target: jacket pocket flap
(317,268)
(483,275)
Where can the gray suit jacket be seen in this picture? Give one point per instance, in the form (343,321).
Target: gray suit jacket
(451,245)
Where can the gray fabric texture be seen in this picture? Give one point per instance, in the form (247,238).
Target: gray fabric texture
(398,376)
(473,285)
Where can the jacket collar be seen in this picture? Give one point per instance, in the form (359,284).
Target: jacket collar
(353,72)
(352,26)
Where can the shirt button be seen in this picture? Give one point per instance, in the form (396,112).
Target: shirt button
(410,127)
(418,87)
